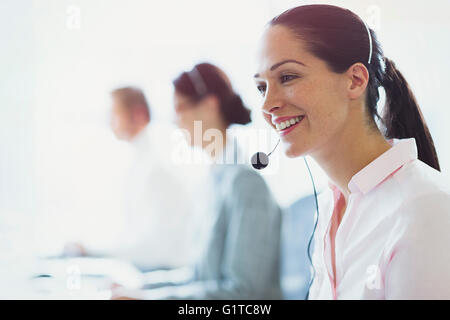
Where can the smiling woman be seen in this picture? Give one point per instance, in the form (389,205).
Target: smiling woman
(320,69)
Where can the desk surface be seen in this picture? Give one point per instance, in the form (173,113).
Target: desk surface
(81,278)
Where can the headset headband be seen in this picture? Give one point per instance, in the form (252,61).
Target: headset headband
(197,81)
(370,41)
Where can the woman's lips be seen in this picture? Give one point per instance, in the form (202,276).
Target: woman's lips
(287,130)
(285,122)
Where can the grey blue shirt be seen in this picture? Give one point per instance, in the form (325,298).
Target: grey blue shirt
(240,252)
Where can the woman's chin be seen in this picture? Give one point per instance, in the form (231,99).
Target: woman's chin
(293,151)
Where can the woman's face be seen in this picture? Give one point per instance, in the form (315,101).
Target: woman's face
(185,113)
(197,117)
(304,101)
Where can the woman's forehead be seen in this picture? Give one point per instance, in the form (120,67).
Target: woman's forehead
(279,44)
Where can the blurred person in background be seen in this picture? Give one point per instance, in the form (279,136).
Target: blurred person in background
(156,205)
(239,237)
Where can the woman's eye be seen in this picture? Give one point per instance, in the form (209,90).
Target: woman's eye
(261,88)
(287,78)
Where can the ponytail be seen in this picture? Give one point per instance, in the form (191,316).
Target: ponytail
(402,117)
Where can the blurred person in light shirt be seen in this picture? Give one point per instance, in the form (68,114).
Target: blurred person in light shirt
(155,203)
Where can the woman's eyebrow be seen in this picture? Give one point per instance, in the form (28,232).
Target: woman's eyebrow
(276,65)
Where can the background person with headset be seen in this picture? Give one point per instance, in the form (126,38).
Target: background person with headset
(382,232)
(240,233)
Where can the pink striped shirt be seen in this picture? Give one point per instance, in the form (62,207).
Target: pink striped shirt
(394,239)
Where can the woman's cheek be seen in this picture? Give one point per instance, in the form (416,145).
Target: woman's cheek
(293,94)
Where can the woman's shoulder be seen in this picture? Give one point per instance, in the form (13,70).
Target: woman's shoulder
(421,212)
(238,175)
(243,183)
(422,178)
(425,195)
(416,182)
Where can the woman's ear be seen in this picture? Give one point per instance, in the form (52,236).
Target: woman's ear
(358,77)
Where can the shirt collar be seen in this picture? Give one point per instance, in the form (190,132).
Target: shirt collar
(401,152)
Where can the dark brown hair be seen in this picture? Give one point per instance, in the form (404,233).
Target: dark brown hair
(206,79)
(340,38)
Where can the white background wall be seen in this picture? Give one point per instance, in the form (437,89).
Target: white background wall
(60,58)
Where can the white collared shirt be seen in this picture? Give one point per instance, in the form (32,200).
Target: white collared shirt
(156,206)
(394,239)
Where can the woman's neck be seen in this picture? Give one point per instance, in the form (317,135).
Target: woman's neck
(350,152)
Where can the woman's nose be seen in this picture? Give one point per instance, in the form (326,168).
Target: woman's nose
(273,109)
(272,102)
(271,105)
